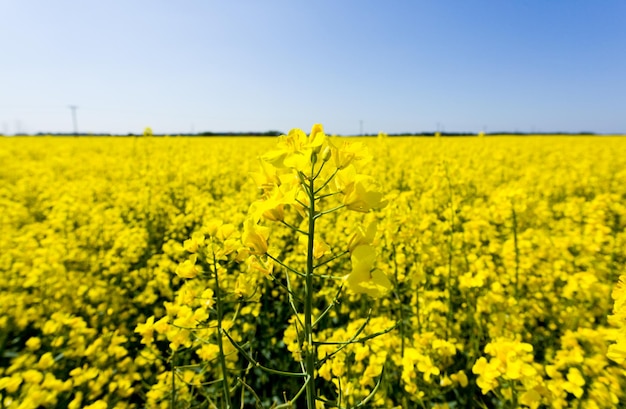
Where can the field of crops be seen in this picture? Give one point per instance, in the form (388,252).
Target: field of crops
(170,272)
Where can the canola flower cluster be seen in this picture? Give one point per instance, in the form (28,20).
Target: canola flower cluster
(469,272)
(305,179)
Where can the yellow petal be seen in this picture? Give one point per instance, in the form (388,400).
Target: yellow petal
(188,269)
(363,279)
(362,236)
(319,248)
(255,237)
(317,136)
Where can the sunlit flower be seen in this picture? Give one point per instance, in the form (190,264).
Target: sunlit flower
(255,237)
(192,244)
(188,268)
(362,236)
(364,278)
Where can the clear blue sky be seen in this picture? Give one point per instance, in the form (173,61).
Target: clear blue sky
(397,66)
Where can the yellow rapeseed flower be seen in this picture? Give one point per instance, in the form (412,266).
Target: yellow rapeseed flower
(255,237)
(364,278)
(188,268)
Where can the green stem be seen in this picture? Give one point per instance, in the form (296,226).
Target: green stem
(516,252)
(289,403)
(343,253)
(257,400)
(256,363)
(330,306)
(327,181)
(292,304)
(613,260)
(398,298)
(418,311)
(220,331)
(353,340)
(173,392)
(327,195)
(309,357)
(320,214)
(318,172)
(302,204)
(359,340)
(373,392)
(285,265)
(294,228)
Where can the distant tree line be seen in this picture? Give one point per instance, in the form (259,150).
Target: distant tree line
(456,134)
(274,133)
(267,133)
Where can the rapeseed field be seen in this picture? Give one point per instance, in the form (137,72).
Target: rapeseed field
(313,271)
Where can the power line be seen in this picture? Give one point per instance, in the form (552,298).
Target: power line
(73,108)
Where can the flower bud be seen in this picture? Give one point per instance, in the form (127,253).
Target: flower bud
(326,154)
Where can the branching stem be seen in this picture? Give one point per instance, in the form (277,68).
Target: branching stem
(308,348)
(220,330)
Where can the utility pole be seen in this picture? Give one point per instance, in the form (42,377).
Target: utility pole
(361,127)
(73,108)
